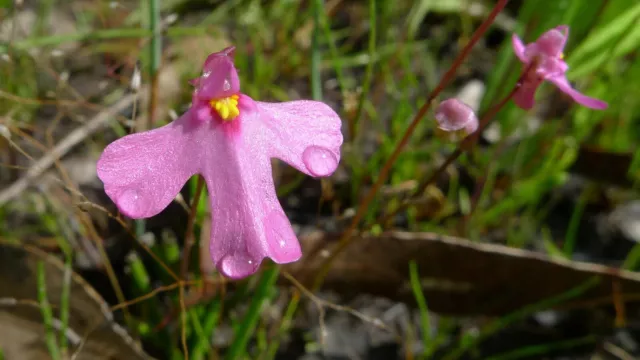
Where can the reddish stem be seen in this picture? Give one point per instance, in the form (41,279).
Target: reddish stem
(465,144)
(346,238)
(189,236)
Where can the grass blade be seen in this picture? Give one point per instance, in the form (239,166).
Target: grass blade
(416,287)
(248,325)
(499,324)
(316,54)
(47,314)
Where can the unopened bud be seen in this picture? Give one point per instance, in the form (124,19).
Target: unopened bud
(454,115)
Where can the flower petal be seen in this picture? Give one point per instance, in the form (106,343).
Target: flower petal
(219,77)
(248,223)
(524,97)
(453,115)
(552,42)
(563,84)
(306,134)
(518,48)
(142,173)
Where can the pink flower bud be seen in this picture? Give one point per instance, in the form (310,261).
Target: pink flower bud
(454,115)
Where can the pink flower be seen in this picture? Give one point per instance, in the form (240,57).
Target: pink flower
(454,115)
(228,138)
(546,60)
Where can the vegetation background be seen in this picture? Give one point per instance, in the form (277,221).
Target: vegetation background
(524,247)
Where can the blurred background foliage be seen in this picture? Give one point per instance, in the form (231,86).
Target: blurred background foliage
(559,180)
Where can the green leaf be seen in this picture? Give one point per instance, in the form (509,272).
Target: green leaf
(615,39)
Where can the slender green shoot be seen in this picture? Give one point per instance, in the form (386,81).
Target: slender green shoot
(47,314)
(416,287)
(247,326)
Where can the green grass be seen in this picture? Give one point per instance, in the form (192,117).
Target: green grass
(376,72)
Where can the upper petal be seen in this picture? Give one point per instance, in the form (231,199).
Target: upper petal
(518,48)
(552,42)
(305,134)
(219,77)
(248,223)
(563,84)
(143,172)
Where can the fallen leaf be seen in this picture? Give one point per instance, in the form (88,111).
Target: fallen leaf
(459,277)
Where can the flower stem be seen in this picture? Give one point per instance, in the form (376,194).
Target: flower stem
(346,238)
(155,60)
(316,55)
(188,236)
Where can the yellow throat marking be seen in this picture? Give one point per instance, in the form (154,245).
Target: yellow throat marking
(227,107)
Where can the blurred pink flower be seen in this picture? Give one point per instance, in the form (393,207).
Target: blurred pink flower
(228,138)
(546,59)
(454,115)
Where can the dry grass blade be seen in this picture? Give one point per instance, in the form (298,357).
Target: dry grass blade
(62,148)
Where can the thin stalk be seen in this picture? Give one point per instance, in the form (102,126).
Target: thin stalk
(509,319)
(203,344)
(155,60)
(353,132)
(105,34)
(414,277)
(285,325)
(65,304)
(346,238)
(537,351)
(47,314)
(248,324)
(184,265)
(189,238)
(316,55)
(574,224)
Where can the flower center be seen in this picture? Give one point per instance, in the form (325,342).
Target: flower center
(227,107)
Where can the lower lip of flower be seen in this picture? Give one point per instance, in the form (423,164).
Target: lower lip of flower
(227,107)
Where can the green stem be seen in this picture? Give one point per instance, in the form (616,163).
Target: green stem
(316,55)
(47,314)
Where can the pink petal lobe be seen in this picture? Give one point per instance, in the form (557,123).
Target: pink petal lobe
(524,97)
(518,48)
(552,42)
(142,173)
(563,84)
(219,77)
(248,223)
(305,134)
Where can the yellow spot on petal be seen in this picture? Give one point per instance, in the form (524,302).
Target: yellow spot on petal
(561,56)
(227,107)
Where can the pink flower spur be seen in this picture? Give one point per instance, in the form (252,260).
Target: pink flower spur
(547,63)
(228,138)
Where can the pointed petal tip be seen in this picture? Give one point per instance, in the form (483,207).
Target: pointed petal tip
(518,47)
(564,29)
(595,104)
(563,85)
(229,51)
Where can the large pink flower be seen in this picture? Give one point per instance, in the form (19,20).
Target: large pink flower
(545,58)
(228,138)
